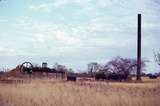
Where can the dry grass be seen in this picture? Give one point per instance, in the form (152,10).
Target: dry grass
(54,93)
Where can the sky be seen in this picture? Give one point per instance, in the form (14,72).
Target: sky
(76,32)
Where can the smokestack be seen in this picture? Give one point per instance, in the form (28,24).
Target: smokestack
(139,48)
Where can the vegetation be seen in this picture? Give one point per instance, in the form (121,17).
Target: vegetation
(118,68)
(85,91)
(157,57)
(44,92)
(126,65)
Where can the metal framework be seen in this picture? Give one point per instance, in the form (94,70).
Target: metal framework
(28,68)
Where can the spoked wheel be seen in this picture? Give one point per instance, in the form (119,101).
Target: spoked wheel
(26,67)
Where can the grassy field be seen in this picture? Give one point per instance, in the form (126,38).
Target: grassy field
(45,92)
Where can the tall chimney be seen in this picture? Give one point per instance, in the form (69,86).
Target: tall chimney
(139,48)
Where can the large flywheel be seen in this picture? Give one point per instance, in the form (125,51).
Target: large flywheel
(26,67)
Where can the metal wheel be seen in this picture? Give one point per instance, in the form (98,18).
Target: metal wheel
(26,67)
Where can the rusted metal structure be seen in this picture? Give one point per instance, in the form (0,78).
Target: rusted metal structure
(28,68)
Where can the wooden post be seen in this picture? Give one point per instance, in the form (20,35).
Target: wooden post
(139,48)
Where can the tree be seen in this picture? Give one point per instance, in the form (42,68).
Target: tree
(60,67)
(125,66)
(157,57)
(70,71)
(93,67)
(2,72)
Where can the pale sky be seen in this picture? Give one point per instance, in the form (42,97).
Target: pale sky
(76,32)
